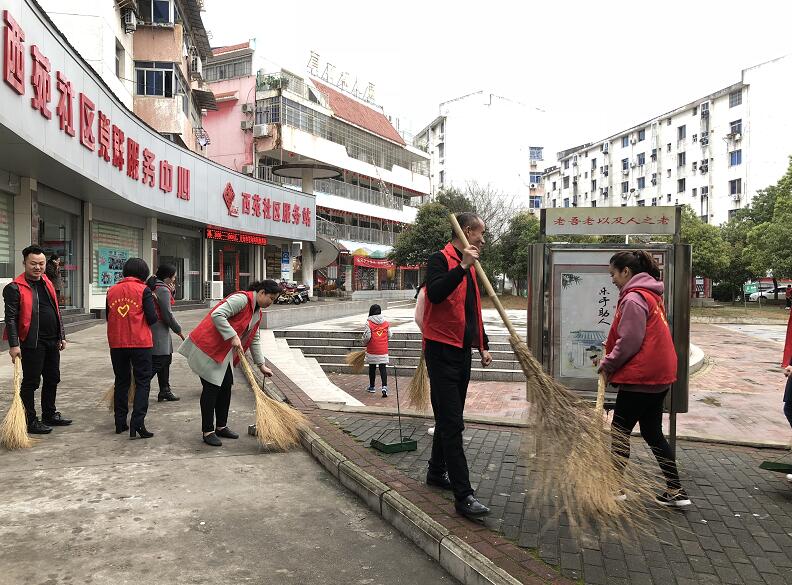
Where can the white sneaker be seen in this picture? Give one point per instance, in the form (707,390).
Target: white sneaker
(431,432)
(789,477)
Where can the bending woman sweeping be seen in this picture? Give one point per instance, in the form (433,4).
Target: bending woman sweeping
(211,352)
(640,360)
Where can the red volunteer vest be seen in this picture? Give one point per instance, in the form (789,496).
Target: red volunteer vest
(445,322)
(207,338)
(656,361)
(126,321)
(26,304)
(785,361)
(378,344)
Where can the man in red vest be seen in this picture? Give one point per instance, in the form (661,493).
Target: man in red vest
(130,314)
(452,326)
(34,331)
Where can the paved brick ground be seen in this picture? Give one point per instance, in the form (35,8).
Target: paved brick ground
(739,529)
(735,396)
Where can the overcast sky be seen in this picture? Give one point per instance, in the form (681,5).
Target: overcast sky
(594,67)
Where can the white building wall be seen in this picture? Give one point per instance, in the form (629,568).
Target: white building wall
(93,27)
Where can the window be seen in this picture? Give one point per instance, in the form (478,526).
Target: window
(654,154)
(593,186)
(641,203)
(733,213)
(641,135)
(695,138)
(693,192)
(704,191)
(625,187)
(668,147)
(668,173)
(566,182)
(668,197)
(442,178)
(654,201)
(593,203)
(119,60)
(534,152)
(566,164)
(680,185)
(668,121)
(695,110)
(593,164)
(735,158)
(641,182)
(535,177)
(736,127)
(681,159)
(735,98)
(441,150)
(694,165)
(625,164)
(230,70)
(566,202)
(735,187)
(160,11)
(535,201)
(681,132)
(554,185)
(625,141)
(154,78)
(554,203)
(642,159)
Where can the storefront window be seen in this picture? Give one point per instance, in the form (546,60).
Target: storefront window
(231,263)
(6,236)
(111,246)
(60,234)
(184,253)
(273,259)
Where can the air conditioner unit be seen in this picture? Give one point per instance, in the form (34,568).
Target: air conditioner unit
(574,162)
(633,165)
(605,147)
(705,109)
(213,290)
(703,169)
(704,141)
(737,136)
(261,130)
(532,186)
(247,169)
(633,141)
(654,181)
(625,196)
(246,125)
(248,108)
(736,196)
(130,21)
(196,66)
(625,172)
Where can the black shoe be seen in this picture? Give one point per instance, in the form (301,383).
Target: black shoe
(144,434)
(441,481)
(56,420)
(471,508)
(122,429)
(211,439)
(167,396)
(36,427)
(226,433)
(674,498)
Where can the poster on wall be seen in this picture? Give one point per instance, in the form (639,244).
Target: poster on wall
(586,305)
(286,267)
(111,265)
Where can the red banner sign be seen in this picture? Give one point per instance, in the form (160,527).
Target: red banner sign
(225,235)
(384,263)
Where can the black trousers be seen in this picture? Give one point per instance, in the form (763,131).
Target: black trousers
(128,362)
(43,361)
(160,366)
(449,375)
(215,402)
(383,368)
(647,409)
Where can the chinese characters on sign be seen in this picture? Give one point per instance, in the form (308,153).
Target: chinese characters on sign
(610,221)
(259,206)
(225,235)
(603,314)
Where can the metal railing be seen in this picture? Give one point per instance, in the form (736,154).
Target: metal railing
(355,233)
(291,83)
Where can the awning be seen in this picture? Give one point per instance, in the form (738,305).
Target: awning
(205,100)
(352,246)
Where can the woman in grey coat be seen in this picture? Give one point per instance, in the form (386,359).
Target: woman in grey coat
(162,285)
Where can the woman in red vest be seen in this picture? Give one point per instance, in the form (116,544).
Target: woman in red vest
(640,360)
(130,315)
(376,336)
(211,351)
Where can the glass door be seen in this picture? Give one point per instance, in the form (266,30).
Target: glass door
(229,270)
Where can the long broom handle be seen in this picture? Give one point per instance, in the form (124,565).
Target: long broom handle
(248,371)
(483,277)
(601,384)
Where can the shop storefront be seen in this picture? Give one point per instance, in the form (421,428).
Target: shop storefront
(7,252)
(381,274)
(60,232)
(180,246)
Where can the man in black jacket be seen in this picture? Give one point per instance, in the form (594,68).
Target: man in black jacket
(34,330)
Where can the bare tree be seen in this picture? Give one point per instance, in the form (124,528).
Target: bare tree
(495,207)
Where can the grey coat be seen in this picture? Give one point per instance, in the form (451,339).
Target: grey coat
(161,330)
(203,365)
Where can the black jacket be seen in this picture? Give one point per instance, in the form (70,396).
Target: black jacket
(11,298)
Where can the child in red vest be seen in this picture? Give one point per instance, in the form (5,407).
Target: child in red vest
(640,360)
(130,315)
(376,338)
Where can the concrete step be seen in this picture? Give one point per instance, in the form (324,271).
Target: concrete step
(356,343)
(479,374)
(74,322)
(189,305)
(412,362)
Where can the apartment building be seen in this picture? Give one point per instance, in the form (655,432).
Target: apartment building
(712,153)
(490,140)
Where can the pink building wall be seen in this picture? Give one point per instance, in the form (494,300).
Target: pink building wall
(230,145)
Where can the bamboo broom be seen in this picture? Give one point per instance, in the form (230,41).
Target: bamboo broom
(357,360)
(276,422)
(13,429)
(108,398)
(581,471)
(418,388)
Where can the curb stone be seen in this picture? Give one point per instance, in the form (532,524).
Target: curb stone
(469,566)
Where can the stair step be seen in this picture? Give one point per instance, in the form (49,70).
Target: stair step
(478,374)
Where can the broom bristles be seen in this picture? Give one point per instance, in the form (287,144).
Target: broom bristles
(108,398)
(13,429)
(277,423)
(356,360)
(418,388)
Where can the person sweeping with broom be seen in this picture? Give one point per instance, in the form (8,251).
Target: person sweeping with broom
(640,360)
(130,315)
(34,330)
(211,352)
(375,337)
(452,326)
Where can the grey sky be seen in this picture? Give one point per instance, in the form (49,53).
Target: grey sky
(595,67)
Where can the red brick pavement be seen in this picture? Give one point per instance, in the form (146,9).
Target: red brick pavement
(735,396)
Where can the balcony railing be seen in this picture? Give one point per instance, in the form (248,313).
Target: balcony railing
(340,189)
(291,83)
(355,233)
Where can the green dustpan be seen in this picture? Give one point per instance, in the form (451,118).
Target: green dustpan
(776,466)
(405,443)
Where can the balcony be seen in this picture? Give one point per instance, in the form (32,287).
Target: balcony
(355,233)
(340,189)
(292,83)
